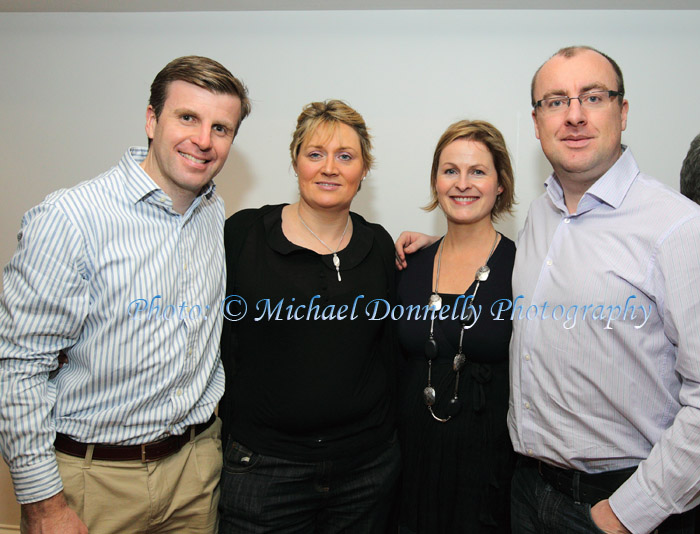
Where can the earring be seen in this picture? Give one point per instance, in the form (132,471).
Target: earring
(363,178)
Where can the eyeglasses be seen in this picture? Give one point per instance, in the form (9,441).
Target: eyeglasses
(591,100)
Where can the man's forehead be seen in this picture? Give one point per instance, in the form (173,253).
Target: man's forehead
(586,68)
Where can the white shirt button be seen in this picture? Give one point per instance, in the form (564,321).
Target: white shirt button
(178,393)
(527,405)
(549,262)
(567,220)
(527,357)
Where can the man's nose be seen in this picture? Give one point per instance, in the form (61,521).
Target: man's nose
(202,138)
(575,113)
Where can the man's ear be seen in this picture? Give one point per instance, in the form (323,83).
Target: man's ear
(623,115)
(534,119)
(151,121)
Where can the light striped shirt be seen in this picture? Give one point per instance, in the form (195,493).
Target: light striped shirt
(108,272)
(618,384)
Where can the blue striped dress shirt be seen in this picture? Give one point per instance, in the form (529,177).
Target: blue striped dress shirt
(108,272)
(607,374)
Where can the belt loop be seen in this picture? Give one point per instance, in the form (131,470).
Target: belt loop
(143,453)
(575,483)
(193,433)
(87,461)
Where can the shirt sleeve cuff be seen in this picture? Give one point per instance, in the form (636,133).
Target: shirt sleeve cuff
(635,509)
(37,482)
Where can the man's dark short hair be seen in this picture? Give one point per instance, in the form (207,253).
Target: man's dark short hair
(690,172)
(202,72)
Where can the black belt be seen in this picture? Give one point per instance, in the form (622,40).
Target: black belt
(584,487)
(593,488)
(147,452)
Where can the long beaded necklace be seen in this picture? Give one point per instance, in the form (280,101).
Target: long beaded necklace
(431,348)
(336,259)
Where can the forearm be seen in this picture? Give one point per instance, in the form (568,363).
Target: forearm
(26,436)
(666,482)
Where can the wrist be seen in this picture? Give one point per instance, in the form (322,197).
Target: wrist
(45,507)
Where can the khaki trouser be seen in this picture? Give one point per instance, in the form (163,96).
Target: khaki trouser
(179,493)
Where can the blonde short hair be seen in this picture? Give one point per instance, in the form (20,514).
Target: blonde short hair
(331,112)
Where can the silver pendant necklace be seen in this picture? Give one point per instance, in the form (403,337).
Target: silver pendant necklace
(336,259)
(431,347)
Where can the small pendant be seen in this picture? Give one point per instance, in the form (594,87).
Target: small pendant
(482,273)
(434,302)
(429,396)
(336,262)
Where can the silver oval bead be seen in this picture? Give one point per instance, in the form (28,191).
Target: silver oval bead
(482,273)
(429,396)
(435,302)
(458,362)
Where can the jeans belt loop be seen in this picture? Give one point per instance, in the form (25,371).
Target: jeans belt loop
(576,487)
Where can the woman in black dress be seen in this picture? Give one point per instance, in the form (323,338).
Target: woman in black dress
(457,456)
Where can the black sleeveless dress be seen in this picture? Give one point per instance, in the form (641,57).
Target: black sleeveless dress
(456,475)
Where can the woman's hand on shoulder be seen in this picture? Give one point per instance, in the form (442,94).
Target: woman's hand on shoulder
(410,242)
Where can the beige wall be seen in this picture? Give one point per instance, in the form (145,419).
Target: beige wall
(9,509)
(74,88)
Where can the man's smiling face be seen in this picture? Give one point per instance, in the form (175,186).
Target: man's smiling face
(581,144)
(190,141)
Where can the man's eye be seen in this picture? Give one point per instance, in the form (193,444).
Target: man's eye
(556,102)
(593,99)
(220,129)
(186,118)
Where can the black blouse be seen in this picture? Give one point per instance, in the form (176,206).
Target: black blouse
(309,375)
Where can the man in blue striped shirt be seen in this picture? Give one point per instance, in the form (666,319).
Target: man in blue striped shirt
(605,392)
(124,274)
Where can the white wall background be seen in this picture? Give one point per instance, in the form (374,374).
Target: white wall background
(74,88)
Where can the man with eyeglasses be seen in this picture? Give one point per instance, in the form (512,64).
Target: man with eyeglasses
(605,414)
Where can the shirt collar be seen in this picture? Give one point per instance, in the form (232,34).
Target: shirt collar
(139,185)
(357,250)
(611,188)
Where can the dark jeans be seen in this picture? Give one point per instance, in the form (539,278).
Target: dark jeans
(538,508)
(263,494)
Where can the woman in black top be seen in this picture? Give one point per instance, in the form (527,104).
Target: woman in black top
(457,456)
(309,406)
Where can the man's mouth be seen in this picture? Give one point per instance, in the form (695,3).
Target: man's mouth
(192,158)
(576,140)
